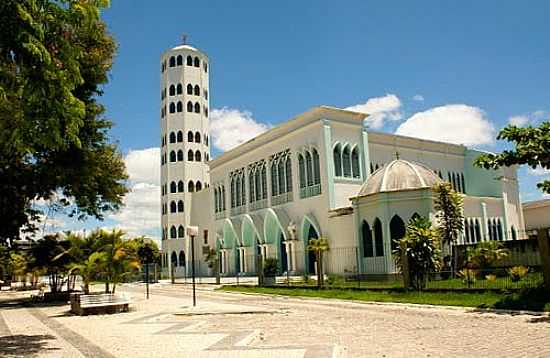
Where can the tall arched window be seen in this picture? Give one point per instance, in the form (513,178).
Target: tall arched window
(316,167)
(198,156)
(172,107)
(180,60)
(378,238)
(337,161)
(197,107)
(466,231)
(180,206)
(258,184)
(180,136)
(190,155)
(355,163)
(180,107)
(173,233)
(189,88)
(264,182)
(181,234)
(513,233)
(397,231)
(197,62)
(478,231)
(281,176)
(180,155)
(173,207)
(191,186)
(179,89)
(274,181)
(499,230)
(288,174)
(205,94)
(172,61)
(197,90)
(238,191)
(453,181)
(243,191)
(309,169)
(172,90)
(346,162)
(190,137)
(172,137)
(197,137)
(173,187)
(180,186)
(205,67)
(172,156)
(182,255)
(189,61)
(190,107)
(366,234)
(205,111)
(251,186)
(301,171)
(216,203)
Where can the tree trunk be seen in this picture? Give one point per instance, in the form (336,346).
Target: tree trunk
(318,269)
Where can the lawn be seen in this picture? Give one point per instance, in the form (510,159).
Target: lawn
(529,299)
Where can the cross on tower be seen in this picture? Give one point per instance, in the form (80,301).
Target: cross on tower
(184,38)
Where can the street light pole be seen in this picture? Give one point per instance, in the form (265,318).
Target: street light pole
(192,231)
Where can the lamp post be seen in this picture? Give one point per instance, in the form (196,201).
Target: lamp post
(292,236)
(193,231)
(146,254)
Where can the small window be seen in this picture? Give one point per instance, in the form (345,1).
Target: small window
(190,155)
(173,207)
(173,187)
(197,137)
(180,155)
(206,157)
(180,60)
(180,107)
(181,235)
(179,89)
(206,94)
(172,156)
(172,107)
(191,187)
(198,186)
(205,139)
(197,62)
(172,137)
(180,206)
(205,67)
(190,137)
(189,61)
(197,90)
(198,156)
(190,107)
(197,107)
(172,90)
(189,89)
(173,235)
(205,111)
(172,61)
(180,136)
(180,186)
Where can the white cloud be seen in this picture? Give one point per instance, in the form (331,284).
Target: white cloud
(453,123)
(231,127)
(418,97)
(380,109)
(143,166)
(518,121)
(539,114)
(538,171)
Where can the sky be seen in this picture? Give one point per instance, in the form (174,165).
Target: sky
(455,71)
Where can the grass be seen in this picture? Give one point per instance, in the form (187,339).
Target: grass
(530,299)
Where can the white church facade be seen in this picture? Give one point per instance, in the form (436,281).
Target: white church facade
(321,173)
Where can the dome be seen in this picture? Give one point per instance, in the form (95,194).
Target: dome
(399,175)
(184,47)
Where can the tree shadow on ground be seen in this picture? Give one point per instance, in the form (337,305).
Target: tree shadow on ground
(23,345)
(529,299)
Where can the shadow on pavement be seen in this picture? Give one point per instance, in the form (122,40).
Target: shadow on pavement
(22,345)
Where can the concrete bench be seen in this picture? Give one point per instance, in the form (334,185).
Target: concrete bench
(99,303)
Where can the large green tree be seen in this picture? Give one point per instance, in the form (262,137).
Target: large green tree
(532,147)
(54,59)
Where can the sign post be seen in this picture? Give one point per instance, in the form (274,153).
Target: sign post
(192,231)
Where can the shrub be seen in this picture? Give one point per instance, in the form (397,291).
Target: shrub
(468,276)
(517,273)
(270,267)
(491,278)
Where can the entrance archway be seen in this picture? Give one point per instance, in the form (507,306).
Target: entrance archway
(310,230)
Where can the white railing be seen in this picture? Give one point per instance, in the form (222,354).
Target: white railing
(309,191)
(281,199)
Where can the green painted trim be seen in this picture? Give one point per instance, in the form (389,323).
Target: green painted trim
(366,154)
(327,138)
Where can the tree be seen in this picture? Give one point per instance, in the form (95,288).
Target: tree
(54,59)
(485,254)
(420,245)
(89,269)
(139,243)
(532,147)
(448,205)
(319,247)
(119,260)
(46,256)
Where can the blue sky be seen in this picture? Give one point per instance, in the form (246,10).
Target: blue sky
(272,60)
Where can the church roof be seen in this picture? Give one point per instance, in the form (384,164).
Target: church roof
(399,175)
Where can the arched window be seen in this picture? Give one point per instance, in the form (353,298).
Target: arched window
(346,162)
(309,169)
(378,238)
(172,90)
(173,232)
(206,157)
(198,156)
(453,181)
(198,186)
(180,155)
(182,255)
(174,257)
(190,107)
(173,207)
(190,137)
(366,234)
(337,161)
(197,107)
(173,187)
(180,206)
(281,176)
(238,191)
(191,186)
(499,230)
(513,233)
(172,156)
(274,181)
(197,137)
(180,60)
(301,171)
(180,107)
(189,88)
(189,61)
(264,182)
(197,62)
(355,163)
(205,67)
(467,231)
(180,136)
(251,186)
(172,107)
(181,234)
(205,111)
(206,94)
(371,168)
(397,231)
(172,137)
(190,155)
(258,184)
(288,175)
(463,183)
(180,186)
(206,139)
(197,90)
(472,231)
(477,231)
(216,203)
(172,61)
(179,89)
(316,167)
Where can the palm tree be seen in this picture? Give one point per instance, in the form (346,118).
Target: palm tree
(319,247)
(89,269)
(119,260)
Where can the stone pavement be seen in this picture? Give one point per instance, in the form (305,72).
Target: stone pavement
(237,325)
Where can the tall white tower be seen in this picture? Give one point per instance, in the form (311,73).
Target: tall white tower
(185,146)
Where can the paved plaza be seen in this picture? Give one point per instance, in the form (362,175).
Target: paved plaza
(239,325)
